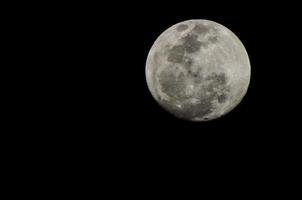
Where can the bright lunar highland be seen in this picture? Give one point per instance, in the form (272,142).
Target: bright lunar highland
(198,70)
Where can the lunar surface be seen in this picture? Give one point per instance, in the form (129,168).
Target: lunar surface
(198,70)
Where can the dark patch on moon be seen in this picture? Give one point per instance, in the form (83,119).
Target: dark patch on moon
(182,27)
(188,110)
(172,85)
(200,29)
(201,109)
(191,44)
(176,54)
(205,107)
(175,88)
(218,84)
(213,39)
(222,98)
(196,75)
(204,29)
(188,62)
(217,79)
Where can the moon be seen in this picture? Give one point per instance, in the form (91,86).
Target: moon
(198,70)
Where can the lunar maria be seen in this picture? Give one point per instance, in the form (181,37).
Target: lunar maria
(198,70)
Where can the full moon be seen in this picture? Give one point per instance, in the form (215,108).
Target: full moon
(198,70)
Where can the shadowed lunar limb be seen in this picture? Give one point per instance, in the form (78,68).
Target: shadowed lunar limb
(202,70)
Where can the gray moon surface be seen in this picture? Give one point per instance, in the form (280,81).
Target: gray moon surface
(198,70)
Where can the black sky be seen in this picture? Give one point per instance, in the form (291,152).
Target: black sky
(114,47)
(82,97)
